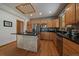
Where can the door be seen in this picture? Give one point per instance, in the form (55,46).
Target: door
(19,26)
(29,26)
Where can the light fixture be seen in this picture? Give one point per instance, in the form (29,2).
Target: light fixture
(50,12)
(40,13)
(31,15)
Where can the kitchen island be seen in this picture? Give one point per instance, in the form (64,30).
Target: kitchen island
(27,41)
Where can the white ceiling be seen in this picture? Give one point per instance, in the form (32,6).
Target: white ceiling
(46,9)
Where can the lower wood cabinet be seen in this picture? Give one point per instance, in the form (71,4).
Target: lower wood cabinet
(48,36)
(44,35)
(52,36)
(70,48)
(29,26)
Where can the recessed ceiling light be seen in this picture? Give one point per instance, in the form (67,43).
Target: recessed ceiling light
(40,13)
(31,15)
(50,12)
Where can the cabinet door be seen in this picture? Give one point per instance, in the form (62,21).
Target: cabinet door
(20,41)
(77,12)
(44,35)
(49,23)
(65,51)
(70,48)
(43,21)
(29,26)
(52,37)
(55,23)
(70,14)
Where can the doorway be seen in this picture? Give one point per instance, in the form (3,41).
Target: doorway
(19,26)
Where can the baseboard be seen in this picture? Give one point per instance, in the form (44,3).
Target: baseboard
(7,44)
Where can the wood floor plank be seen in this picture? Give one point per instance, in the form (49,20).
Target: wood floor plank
(47,48)
(52,49)
(44,48)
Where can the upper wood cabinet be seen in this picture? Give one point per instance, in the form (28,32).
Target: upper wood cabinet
(19,26)
(70,14)
(44,35)
(43,21)
(37,21)
(49,23)
(55,23)
(77,12)
(29,26)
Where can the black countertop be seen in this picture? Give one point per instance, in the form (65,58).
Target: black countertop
(28,34)
(75,40)
(48,29)
(62,34)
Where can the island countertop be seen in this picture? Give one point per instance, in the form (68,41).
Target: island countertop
(28,34)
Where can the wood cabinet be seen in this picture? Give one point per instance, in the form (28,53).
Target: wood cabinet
(29,26)
(48,36)
(43,21)
(70,48)
(70,14)
(52,36)
(77,12)
(50,23)
(36,21)
(44,35)
(55,23)
(19,26)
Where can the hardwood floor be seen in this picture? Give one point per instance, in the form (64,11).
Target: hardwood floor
(47,48)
